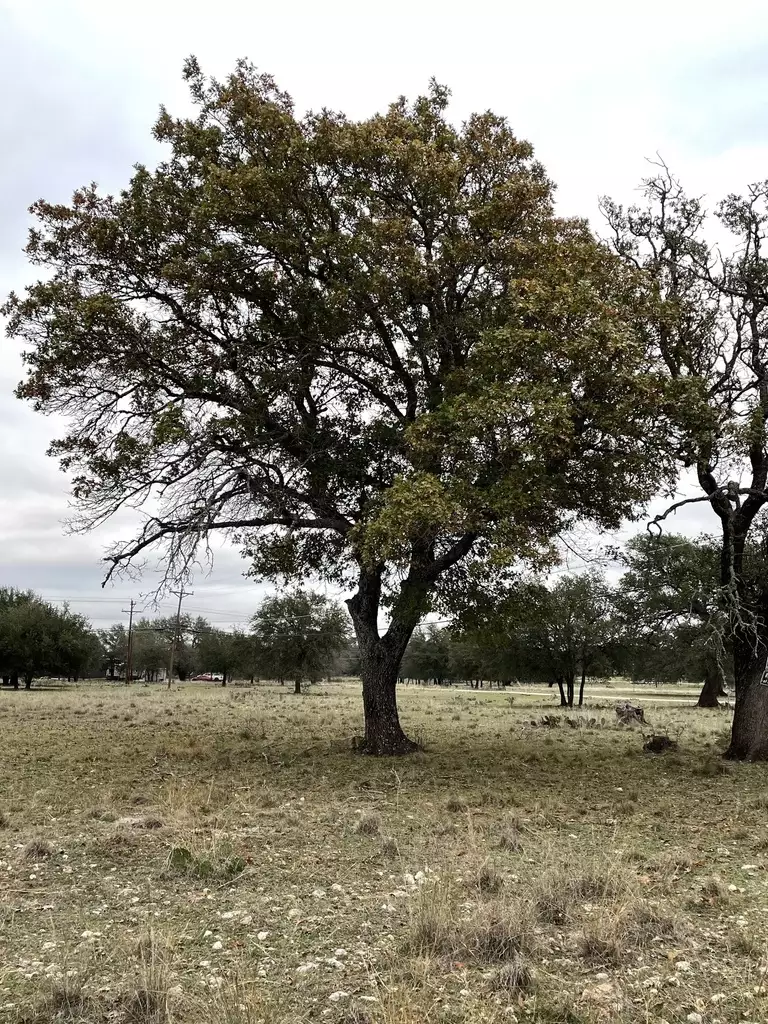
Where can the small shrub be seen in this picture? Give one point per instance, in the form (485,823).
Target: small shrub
(488,880)
(671,863)
(432,930)
(713,891)
(120,845)
(509,839)
(659,743)
(65,1000)
(514,977)
(497,932)
(149,823)
(557,892)
(238,1002)
(37,849)
(368,824)
(148,1002)
(609,935)
(212,863)
(746,944)
(389,847)
(455,805)
(101,814)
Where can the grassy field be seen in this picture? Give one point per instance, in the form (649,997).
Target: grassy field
(211,856)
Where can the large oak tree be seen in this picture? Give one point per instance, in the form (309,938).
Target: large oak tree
(366,351)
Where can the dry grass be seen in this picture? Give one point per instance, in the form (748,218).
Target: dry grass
(552,875)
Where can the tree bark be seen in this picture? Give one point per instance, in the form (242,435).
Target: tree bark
(711,689)
(383,732)
(27,681)
(563,701)
(297,686)
(581,686)
(15,680)
(749,733)
(380,658)
(570,685)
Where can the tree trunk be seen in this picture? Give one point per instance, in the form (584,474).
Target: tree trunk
(383,733)
(27,681)
(6,680)
(749,733)
(223,678)
(380,658)
(15,680)
(571,685)
(297,686)
(581,686)
(563,701)
(710,691)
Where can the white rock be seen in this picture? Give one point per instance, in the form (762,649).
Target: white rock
(294,912)
(718,997)
(749,867)
(409,879)
(337,952)
(694,1018)
(333,962)
(602,993)
(217,945)
(337,888)
(246,919)
(262,936)
(602,976)
(305,968)
(336,996)
(683,965)
(318,893)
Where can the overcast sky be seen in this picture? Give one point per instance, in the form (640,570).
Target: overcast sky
(596,86)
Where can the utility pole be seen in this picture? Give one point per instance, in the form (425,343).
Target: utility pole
(175,638)
(129,652)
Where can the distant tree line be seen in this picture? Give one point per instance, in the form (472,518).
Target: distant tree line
(661,620)
(37,639)
(297,637)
